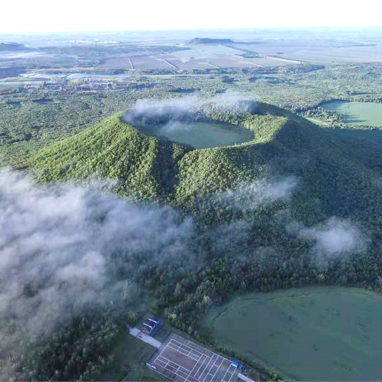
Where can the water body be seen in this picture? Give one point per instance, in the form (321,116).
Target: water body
(43,101)
(311,334)
(43,75)
(357,113)
(14,104)
(202,135)
(23,54)
(22,83)
(85,75)
(73,75)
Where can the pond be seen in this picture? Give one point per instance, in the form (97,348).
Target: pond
(357,113)
(202,135)
(43,101)
(15,104)
(312,333)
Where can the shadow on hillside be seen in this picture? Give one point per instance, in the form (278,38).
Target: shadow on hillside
(362,145)
(337,169)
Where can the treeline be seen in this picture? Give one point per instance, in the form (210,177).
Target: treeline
(80,350)
(26,129)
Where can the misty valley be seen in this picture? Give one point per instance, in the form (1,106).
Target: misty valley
(191,208)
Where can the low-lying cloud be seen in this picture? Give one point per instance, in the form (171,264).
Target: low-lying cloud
(174,127)
(332,239)
(231,101)
(254,195)
(335,237)
(57,245)
(61,247)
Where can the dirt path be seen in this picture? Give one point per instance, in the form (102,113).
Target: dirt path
(318,122)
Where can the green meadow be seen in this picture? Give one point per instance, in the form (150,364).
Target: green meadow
(357,113)
(312,333)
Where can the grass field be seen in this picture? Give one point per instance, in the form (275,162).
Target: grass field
(316,333)
(358,113)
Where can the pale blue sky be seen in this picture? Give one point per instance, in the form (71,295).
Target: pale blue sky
(80,15)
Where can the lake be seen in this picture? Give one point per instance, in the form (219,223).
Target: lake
(358,113)
(73,75)
(202,135)
(86,75)
(15,104)
(311,334)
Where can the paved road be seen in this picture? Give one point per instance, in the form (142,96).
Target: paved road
(244,378)
(145,337)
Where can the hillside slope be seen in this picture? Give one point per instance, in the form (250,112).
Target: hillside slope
(142,165)
(298,205)
(331,180)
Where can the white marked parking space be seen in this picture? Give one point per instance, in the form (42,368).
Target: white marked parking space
(182,360)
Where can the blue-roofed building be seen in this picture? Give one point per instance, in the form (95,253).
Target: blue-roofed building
(151,325)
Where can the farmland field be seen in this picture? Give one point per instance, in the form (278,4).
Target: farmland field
(203,135)
(149,62)
(315,333)
(358,113)
(339,54)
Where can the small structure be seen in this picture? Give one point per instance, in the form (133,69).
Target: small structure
(235,364)
(147,327)
(150,325)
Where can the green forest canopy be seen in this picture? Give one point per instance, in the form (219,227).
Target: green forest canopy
(256,250)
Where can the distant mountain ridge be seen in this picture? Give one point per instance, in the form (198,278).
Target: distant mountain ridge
(151,168)
(12,46)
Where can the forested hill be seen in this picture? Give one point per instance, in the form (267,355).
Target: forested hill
(332,179)
(297,205)
(153,168)
(12,47)
(143,165)
(287,188)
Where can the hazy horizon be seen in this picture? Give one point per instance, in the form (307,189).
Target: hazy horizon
(203,30)
(42,16)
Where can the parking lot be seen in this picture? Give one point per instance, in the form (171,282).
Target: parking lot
(181,360)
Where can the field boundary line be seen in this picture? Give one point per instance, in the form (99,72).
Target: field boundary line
(207,368)
(226,373)
(233,373)
(201,364)
(195,366)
